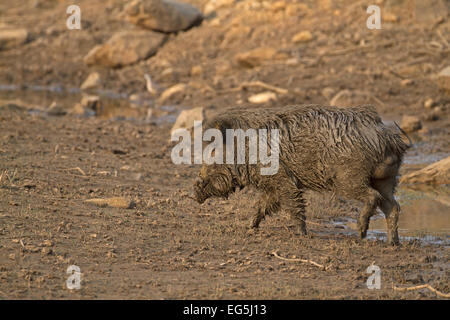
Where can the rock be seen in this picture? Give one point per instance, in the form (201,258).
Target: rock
(56,110)
(263,97)
(443,79)
(135,98)
(429,103)
(196,70)
(436,174)
(10,38)
(90,102)
(407,82)
(163,15)
(255,57)
(411,123)
(389,17)
(187,117)
(214,5)
(125,48)
(171,91)
(303,36)
(92,81)
(115,202)
(88,106)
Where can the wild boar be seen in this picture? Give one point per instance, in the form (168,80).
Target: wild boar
(349,152)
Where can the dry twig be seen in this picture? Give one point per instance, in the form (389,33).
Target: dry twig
(77,169)
(423,286)
(300,260)
(443,39)
(258,84)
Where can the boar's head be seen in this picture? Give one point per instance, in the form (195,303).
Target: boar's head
(214,180)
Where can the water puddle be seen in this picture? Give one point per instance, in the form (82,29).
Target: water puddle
(428,158)
(113,105)
(425,216)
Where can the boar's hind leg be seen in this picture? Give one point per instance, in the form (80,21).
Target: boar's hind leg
(389,206)
(268,204)
(371,200)
(295,205)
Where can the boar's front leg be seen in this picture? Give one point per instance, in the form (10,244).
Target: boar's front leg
(268,204)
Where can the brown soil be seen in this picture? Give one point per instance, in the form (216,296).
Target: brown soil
(167,246)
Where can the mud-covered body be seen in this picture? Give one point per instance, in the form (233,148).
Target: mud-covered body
(349,152)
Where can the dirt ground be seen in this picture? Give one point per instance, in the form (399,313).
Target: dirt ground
(166,246)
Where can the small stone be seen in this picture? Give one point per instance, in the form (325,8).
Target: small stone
(88,105)
(125,48)
(214,5)
(115,202)
(92,81)
(292,61)
(389,17)
(10,38)
(56,110)
(163,15)
(429,103)
(407,82)
(263,97)
(255,57)
(90,102)
(196,70)
(443,79)
(187,117)
(78,109)
(135,97)
(411,123)
(303,36)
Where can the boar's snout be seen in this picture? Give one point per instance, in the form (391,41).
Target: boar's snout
(199,193)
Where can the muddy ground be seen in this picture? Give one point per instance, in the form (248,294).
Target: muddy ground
(167,246)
